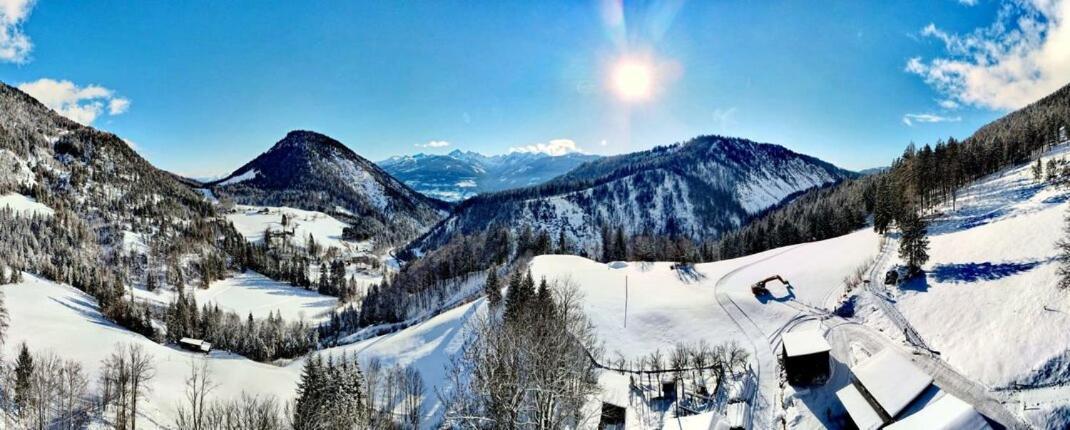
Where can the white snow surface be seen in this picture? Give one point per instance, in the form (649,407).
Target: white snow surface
(251,292)
(946,413)
(892,380)
(862,414)
(59,318)
(252,221)
(23,205)
(249,174)
(805,342)
(989,302)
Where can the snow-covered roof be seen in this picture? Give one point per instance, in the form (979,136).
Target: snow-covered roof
(892,380)
(861,412)
(805,342)
(946,413)
(737,414)
(204,346)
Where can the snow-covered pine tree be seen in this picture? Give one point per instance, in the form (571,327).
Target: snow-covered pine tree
(493,287)
(913,245)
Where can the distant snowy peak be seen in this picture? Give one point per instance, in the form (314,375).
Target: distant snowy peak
(311,171)
(462,174)
(698,189)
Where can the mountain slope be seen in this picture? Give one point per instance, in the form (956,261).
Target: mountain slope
(308,170)
(696,189)
(460,175)
(113,219)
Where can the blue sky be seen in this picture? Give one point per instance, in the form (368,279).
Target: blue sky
(202,87)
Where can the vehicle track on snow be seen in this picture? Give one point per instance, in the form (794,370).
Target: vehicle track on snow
(765,355)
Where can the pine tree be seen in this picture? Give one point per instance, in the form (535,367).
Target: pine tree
(620,245)
(493,287)
(1064,255)
(913,245)
(521,290)
(563,247)
(3,321)
(310,395)
(24,370)
(1038,171)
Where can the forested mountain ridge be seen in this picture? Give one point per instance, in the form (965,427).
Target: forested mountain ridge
(311,171)
(113,218)
(462,174)
(696,190)
(918,180)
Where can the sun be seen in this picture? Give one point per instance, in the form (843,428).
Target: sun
(633,80)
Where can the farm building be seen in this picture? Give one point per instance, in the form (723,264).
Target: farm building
(945,413)
(613,417)
(886,390)
(195,345)
(806,357)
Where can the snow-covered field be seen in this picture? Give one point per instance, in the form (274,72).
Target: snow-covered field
(989,305)
(252,221)
(713,302)
(989,302)
(24,205)
(251,292)
(58,318)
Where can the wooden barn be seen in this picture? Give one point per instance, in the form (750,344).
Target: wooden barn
(805,355)
(613,417)
(195,345)
(888,391)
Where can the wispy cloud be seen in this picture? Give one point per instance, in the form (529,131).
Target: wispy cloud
(433,144)
(15,46)
(81,104)
(554,148)
(724,119)
(911,118)
(1021,57)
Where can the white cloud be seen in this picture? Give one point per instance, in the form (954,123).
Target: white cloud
(968,2)
(910,118)
(118,105)
(433,144)
(1022,56)
(948,104)
(724,119)
(554,148)
(15,46)
(81,104)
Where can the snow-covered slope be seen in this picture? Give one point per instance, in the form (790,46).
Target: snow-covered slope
(58,318)
(23,205)
(310,171)
(989,302)
(252,293)
(697,189)
(712,302)
(460,175)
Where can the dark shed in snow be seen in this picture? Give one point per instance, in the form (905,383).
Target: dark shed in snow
(806,357)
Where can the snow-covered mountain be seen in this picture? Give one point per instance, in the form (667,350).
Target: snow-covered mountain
(311,171)
(108,202)
(462,174)
(696,189)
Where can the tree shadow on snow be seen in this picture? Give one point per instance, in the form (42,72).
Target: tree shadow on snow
(687,273)
(974,272)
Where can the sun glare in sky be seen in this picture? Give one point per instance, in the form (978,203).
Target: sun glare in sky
(633,80)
